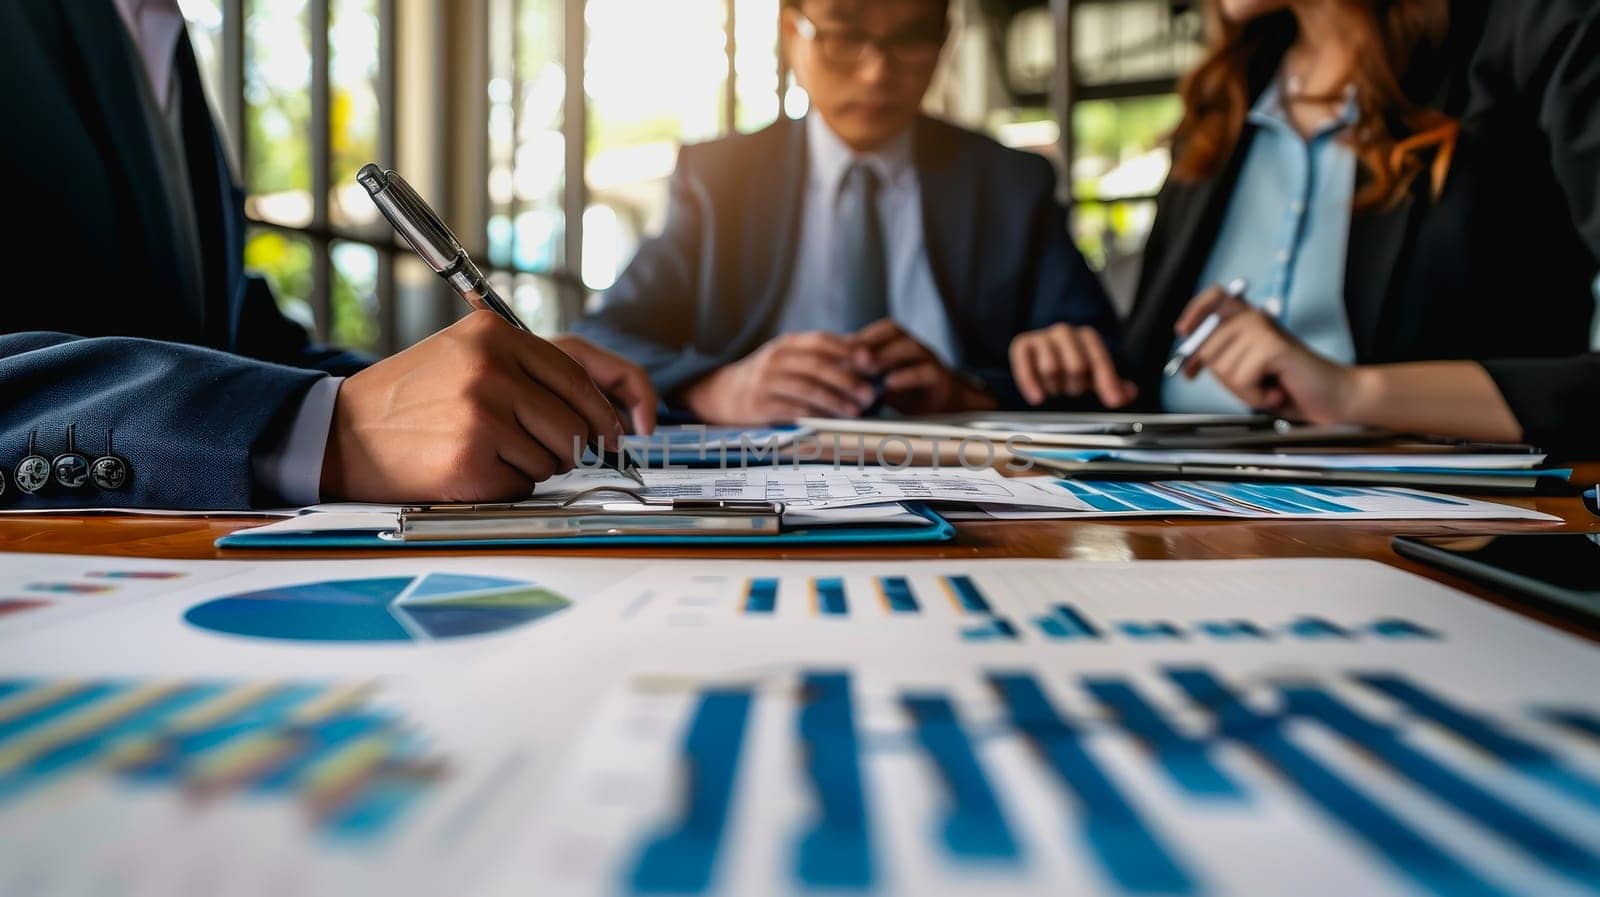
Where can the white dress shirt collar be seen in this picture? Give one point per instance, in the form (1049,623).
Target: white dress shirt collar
(831,158)
(155,26)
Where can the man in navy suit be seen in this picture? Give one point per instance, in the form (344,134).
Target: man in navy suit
(865,253)
(130,319)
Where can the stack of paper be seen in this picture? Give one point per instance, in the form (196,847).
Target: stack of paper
(1487,462)
(1489,471)
(959,492)
(1251,501)
(821,496)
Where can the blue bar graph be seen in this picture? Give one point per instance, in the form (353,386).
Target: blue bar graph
(1094,498)
(994,629)
(384,800)
(897,595)
(1534,838)
(1234,630)
(26,718)
(1575,720)
(1126,847)
(1312,628)
(1403,630)
(836,852)
(830,597)
(1112,495)
(1156,631)
(966,595)
(54,757)
(313,743)
(974,828)
(683,859)
(1185,760)
(172,734)
(1065,623)
(1409,851)
(836,849)
(1282,499)
(761,596)
(184,749)
(1523,756)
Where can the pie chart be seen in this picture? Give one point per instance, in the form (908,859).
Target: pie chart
(386,609)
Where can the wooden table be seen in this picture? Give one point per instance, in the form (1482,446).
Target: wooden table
(193,538)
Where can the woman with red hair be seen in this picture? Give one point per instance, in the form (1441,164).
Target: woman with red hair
(1409,191)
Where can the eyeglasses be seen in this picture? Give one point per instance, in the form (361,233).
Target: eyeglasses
(846,49)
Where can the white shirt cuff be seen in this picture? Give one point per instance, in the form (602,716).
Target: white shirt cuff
(291,468)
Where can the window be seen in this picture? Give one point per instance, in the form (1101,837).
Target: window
(491,118)
(545,131)
(659,75)
(1126,57)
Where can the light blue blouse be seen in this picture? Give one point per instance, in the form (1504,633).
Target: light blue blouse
(1287,232)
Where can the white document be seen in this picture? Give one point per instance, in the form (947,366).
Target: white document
(1101,431)
(505,725)
(1018,728)
(1482,461)
(987,492)
(818,486)
(283,728)
(1250,501)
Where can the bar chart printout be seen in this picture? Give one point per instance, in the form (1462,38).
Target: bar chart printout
(986,611)
(351,768)
(1099,783)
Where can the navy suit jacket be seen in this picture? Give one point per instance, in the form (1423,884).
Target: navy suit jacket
(708,291)
(104,329)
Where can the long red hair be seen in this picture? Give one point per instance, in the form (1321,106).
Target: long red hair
(1394,139)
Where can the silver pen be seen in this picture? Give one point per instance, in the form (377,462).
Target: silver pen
(1198,338)
(426,233)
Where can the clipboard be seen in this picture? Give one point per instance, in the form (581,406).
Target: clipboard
(604,517)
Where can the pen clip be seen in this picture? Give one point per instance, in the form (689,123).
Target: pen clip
(416,222)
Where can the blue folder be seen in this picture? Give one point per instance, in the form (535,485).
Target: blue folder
(936,529)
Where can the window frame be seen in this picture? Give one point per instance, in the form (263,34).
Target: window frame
(458,136)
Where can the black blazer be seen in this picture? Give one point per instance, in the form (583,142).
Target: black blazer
(107,330)
(708,290)
(1500,266)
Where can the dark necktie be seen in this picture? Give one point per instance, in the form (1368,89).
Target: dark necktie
(861,252)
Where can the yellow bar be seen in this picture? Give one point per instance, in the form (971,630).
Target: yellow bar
(349,764)
(330,702)
(235,761)
(229,703)
(197,718)
(944,582)
(29,701)
(77,725)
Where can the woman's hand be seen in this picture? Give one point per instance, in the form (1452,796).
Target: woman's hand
(1065,360)
(1266,367)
